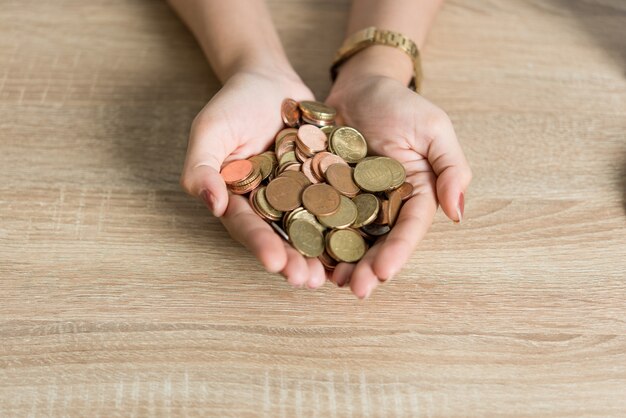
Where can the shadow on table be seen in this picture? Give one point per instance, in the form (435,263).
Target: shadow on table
(148,140)
(604,21)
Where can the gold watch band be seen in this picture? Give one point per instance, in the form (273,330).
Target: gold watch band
(374,36)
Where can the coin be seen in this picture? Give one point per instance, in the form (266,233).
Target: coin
(327,160)
(395,202)
(264,162)
(308,171)
(367,206)
(398,173)
(321,199)
(376,230)
(327,261)
(328,129)
(345,245)
(317,111)
(297,176)
(343,218)
(373,175)
(265,207)
(283,193)
(311,139)
(237,171)
(340,177)
(316,162)
(349,144)
(290,112)
(383,213)
(302,213)
(306,238)
(406,190)
(288,144)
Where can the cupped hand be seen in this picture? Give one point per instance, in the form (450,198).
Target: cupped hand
(401,124)
(240,121)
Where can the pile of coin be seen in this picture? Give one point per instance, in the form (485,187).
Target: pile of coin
(318,188)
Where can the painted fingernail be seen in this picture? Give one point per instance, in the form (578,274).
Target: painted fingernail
(460,208)
(209,200)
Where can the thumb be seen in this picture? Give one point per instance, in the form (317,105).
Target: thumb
(201,177)
(451,167)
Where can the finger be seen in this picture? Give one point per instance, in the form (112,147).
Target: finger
(341,274)
(451,167)
(207,150)
(414,219)
(364,280)
(316,273)
(296,270)
(256,235)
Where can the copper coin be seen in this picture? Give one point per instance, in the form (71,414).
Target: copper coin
(297,176)
(248,187)
(308,171)
(312,138)
(329,159)
(406,190)
(383,213)
(395,202)
(301,156)
(321,199)
(237,171)
(288,144)
(290,112)
(315,164)
(340,177)
(283,194)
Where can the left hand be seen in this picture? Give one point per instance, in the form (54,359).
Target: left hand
(401,124)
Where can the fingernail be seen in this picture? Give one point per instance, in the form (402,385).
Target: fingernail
(460,208)
(209,200)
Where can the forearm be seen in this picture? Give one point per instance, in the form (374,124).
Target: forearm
(235,35)
(412,18)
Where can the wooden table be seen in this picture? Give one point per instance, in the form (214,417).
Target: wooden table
(121,296)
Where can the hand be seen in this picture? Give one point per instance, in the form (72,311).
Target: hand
(240,121)
(401,124)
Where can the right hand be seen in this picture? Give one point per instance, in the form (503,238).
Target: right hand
(240,121)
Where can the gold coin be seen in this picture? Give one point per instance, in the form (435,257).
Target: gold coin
(345,216)
(302,213)
(321,199)
(264,206)
(349,144)
(288,157)
(340,177)
(345,245)
(373,175)
(367,206)
(306,238)
(317,111)
(398,173)
(328,129)
(283,193)
(265,164)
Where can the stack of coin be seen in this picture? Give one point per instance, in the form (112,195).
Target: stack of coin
(318,188)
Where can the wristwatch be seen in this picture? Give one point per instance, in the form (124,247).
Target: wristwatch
(374,36)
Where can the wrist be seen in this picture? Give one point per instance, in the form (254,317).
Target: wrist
(375,61)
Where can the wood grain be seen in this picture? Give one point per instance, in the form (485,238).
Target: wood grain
(120,296)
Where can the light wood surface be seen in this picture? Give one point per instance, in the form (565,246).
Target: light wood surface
(120,296)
